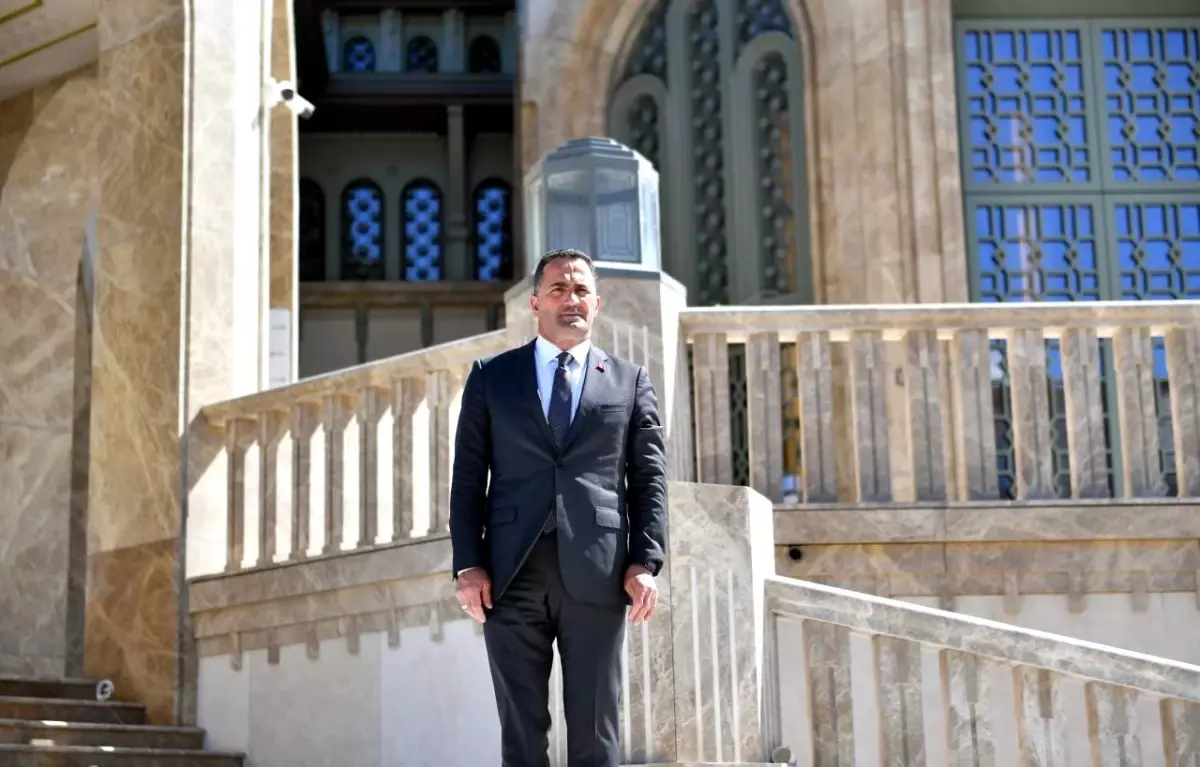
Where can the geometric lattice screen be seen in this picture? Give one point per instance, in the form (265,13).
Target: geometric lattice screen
(362,231)
(492,229)
(422,220)
(358,55)
(1080,145)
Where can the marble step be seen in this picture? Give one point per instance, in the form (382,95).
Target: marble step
(67,710)
(95,756)
(33,687)
(24,732)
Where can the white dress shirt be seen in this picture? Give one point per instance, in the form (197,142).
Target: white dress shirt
(545,356)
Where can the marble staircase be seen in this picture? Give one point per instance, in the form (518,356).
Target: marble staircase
(70,723)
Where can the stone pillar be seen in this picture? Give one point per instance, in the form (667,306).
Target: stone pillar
(391,39)
(459,265)
(283,225)
(451,57)
(178,302)
(331,31)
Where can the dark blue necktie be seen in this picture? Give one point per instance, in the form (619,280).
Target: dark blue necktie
(560,401)
(559,417)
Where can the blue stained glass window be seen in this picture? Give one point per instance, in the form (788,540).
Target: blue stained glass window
(362,231)
(493,231)
(422,216)
(358,55)
(421,55)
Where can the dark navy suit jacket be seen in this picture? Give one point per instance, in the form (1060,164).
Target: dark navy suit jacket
(607,484)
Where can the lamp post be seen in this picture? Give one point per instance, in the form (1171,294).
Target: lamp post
(599,196)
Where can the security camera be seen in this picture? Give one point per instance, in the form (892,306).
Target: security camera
(285,91)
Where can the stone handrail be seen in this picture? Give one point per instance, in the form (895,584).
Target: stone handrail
(849,676)
(915,419)
(370,452)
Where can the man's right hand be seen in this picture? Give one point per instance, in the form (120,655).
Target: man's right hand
(474,592)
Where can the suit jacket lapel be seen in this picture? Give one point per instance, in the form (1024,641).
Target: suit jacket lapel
(527,385)
(594,385)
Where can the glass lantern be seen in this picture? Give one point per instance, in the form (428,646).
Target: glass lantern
(599,196)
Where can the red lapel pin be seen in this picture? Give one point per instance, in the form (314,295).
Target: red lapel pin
(600,367)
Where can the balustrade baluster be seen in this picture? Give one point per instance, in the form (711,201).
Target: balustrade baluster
(1114,727)
(335,409)
(303,427)
(1183,368)
(764,399)
(1032,436)
(1042,735)
(1137,416)
(898,693)
(970,728)
(443,386)
(831,690)
(714,460)
(271,429)
(1181,732)
(370,412)
(975,423)
(1085,414)
(239,435)
(407,396)
(923,395)
(818,450)
(868,397)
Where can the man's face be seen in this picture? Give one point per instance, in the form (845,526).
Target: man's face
(565,303)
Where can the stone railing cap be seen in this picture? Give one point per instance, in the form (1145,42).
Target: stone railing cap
(1002,642)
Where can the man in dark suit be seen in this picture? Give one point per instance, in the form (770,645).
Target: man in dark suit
(570,532)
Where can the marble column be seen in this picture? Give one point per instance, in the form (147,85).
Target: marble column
(391,41)
(283,221)
(451,57)
(178,310)
(459,263)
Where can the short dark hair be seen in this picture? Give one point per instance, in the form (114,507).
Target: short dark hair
(553,255)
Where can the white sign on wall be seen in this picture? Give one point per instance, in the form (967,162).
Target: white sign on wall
(279,364)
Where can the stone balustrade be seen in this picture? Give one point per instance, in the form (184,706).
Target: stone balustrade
(858,679)
(915,402)
(330,464)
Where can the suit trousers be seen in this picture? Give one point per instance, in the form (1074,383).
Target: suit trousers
(534,612)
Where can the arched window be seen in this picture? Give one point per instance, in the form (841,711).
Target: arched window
(422,217)
(484,55)
(311,231)
(492,230)
(358,55)
(734,213)
(421,55)
(1080,151)
(752,191)
(362,231)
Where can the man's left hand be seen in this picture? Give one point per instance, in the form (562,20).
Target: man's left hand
(641,588)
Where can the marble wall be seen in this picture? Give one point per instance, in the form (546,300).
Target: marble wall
(49,151)
(884,193)
(373,656)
